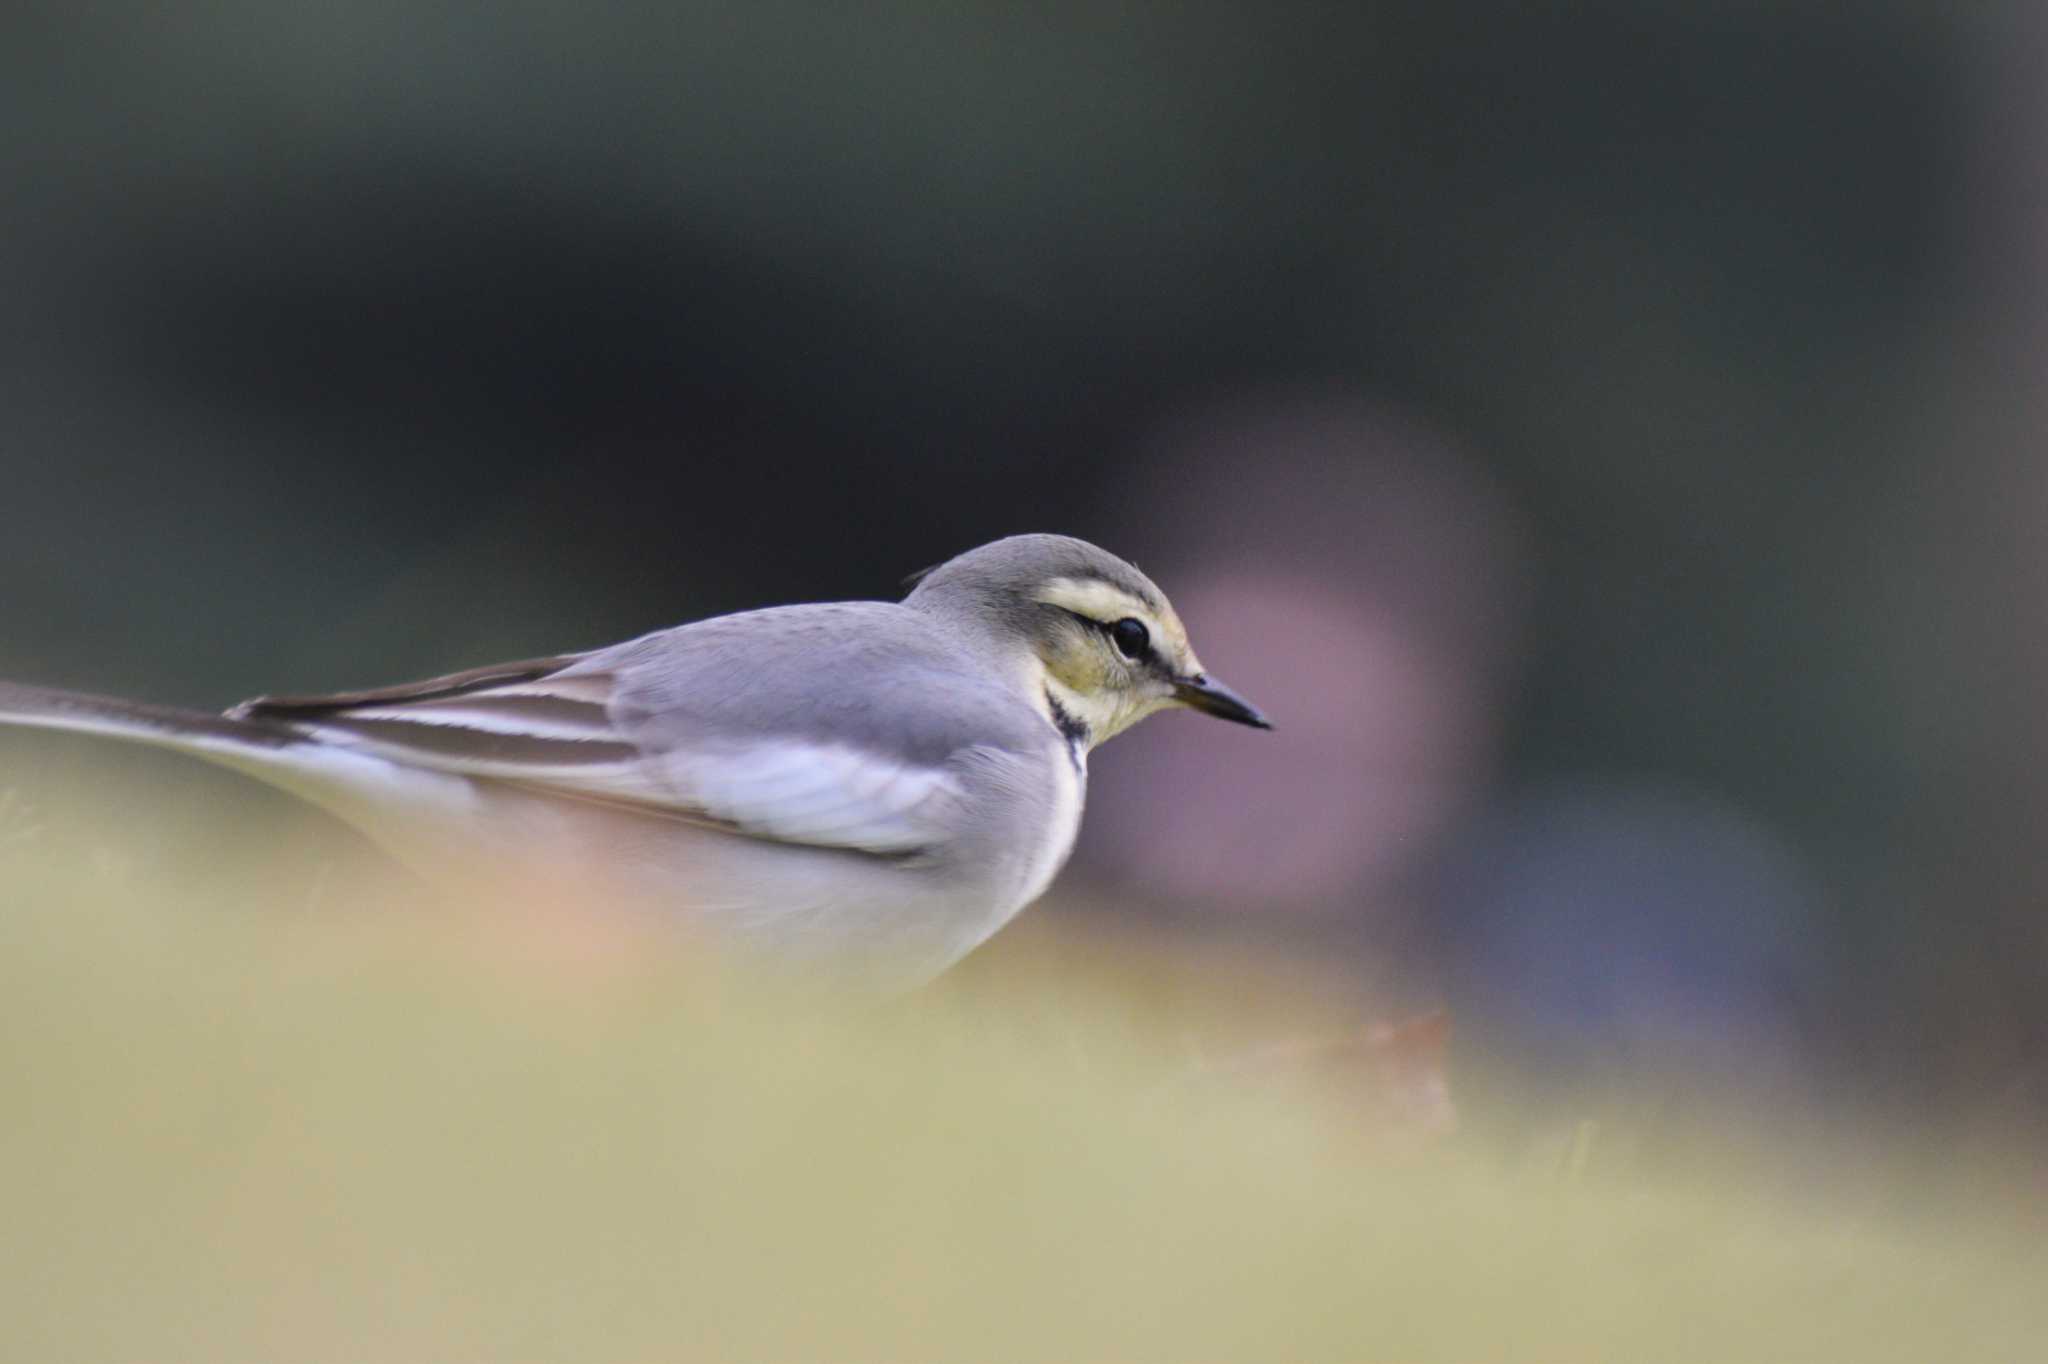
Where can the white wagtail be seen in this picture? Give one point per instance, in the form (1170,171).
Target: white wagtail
(871,782)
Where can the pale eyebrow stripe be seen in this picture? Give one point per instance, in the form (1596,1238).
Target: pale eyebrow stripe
(1096,599)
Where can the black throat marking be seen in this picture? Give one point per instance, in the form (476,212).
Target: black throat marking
(1071,729)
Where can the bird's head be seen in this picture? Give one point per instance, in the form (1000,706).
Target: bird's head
(1093,634)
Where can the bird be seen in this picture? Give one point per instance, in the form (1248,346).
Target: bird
(872,786)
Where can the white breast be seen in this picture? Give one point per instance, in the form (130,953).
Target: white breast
(1070,794)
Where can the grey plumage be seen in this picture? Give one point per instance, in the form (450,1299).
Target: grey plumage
(999,578)
(877,784)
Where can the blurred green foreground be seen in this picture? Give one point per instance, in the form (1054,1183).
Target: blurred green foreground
(338,1131)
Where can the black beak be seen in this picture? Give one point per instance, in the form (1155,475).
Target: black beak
(1206,694)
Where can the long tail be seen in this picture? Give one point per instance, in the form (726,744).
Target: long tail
(415,814)
(360,789)
(237,743)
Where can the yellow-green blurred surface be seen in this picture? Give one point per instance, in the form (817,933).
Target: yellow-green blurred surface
(374,1130)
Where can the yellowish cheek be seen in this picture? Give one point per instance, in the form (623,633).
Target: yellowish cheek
(1080,670)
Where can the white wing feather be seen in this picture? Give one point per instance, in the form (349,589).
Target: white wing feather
(809,793)
(781,788)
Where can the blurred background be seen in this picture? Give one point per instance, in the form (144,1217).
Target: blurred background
(1603,436)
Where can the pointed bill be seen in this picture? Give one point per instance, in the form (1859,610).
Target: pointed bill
(1206,694)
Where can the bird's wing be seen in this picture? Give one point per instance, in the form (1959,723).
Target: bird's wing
(567,726)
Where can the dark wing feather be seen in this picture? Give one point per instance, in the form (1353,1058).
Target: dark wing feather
(442,688)
(510,715)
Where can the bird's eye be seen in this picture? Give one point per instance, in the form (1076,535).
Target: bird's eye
(1133,640)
